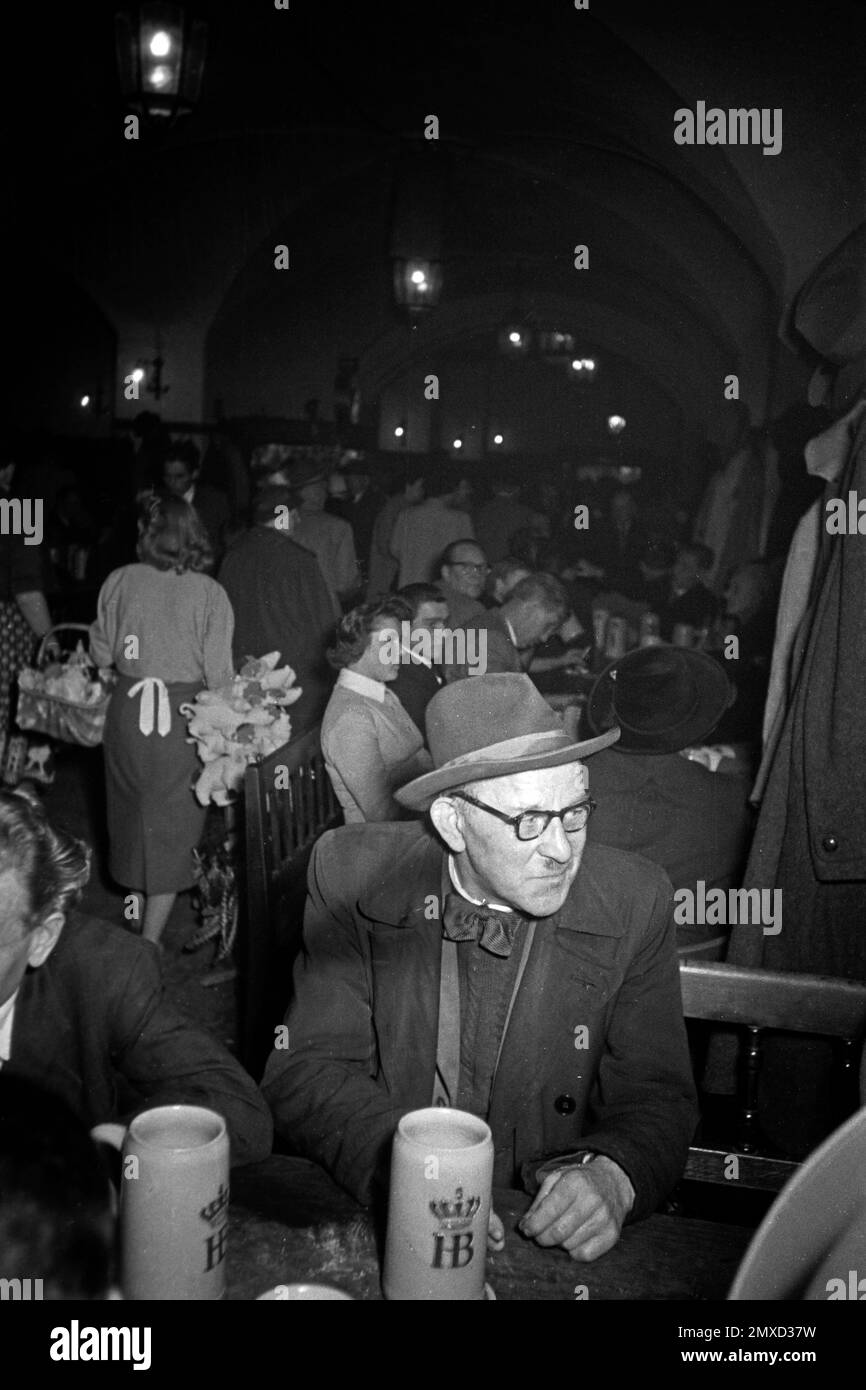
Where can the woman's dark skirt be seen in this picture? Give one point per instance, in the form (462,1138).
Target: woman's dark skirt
(154,820)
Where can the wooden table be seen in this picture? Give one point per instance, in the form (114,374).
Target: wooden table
(290,1223)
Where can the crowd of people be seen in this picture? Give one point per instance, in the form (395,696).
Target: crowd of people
(518,814)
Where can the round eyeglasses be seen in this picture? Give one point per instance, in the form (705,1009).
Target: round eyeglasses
(530,825)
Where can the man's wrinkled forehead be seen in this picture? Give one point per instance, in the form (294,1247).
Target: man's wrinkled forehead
(542,787)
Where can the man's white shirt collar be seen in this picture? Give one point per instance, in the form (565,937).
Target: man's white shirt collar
(476,902)
(362,685)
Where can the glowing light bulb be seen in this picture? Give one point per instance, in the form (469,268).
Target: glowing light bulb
(138,374)
(399,432)
(589,363)
(577,365)
(160,44)
(514,337)
(159,76)
(497,439)
(458,443)
(85,402)
(616,423)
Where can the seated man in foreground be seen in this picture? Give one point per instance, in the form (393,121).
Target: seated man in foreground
(82,1010)
(500,966)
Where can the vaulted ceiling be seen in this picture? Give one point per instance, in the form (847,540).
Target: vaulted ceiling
(558,128)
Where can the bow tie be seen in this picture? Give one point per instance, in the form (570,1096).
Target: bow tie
(494,931)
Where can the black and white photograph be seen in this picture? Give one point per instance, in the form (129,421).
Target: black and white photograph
(433,671)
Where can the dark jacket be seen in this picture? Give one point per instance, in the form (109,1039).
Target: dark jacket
(363,1022)
(92,1024)
(282,603)
(415,685)
(810,839)
(692,822)
(214,513)
(698,607)
(491,643)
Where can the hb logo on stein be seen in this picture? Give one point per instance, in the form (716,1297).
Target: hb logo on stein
(215,1245)
(455,1220)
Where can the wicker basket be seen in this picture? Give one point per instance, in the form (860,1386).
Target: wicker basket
(58,718)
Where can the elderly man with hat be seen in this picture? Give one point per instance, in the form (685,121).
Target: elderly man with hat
(328,537)
(495,962)
(692,822)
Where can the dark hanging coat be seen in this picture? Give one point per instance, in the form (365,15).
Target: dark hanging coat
(810,839)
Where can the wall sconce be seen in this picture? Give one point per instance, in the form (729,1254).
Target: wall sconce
(160,59)
(151,374)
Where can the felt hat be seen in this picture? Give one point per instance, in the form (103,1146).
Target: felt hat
(662,698)
(460,719)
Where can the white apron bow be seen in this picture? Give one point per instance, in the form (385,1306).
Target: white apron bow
(150,688)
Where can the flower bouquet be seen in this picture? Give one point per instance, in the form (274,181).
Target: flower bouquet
(240,723)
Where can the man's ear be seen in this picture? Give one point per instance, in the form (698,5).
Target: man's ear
(44,938)
(448,820)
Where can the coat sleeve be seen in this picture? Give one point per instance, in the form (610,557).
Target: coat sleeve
(321,1086)
(169,1062)
(643,1110)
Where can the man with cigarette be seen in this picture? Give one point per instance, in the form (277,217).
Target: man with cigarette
(494,962)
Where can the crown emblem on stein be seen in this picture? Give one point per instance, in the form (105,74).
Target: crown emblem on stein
(456,1215)
(212,1212)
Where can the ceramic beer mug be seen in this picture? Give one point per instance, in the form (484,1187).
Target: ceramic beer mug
(174,1200)
(439,1206)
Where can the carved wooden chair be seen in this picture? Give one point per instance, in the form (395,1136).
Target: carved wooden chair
(288,803)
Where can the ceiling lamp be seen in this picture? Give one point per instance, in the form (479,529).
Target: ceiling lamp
(417,283)
(160,59)
(515,339)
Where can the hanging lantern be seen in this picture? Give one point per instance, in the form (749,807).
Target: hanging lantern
(419,199)
(160,59)
(417,283)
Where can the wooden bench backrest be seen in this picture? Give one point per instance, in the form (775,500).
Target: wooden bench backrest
(756,1001)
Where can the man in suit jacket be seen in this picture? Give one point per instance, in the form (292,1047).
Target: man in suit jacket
(499,968)
(93,1024)
(418,678)
(180,474)
(282,602)
(506,637)
(82,1010)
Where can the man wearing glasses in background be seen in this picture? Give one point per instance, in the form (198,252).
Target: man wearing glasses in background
(463,575)
(499,964)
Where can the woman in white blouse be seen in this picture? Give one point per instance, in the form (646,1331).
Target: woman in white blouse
(370,744)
